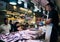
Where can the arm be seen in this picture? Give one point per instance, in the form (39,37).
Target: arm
(9,27)
(50,17)
(49,21)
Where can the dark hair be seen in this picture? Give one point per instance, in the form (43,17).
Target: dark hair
(51,5)
(16,23)
(10,21)
(22,26)
(5,18)
(18,26)
(32,26)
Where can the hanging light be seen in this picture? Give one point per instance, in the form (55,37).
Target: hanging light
(19,2)
(13,3)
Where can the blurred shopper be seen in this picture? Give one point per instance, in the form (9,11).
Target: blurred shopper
(20,28)
(12,26)
(1,30)
(52,18)
(6,26)
(16,25)
(26,25)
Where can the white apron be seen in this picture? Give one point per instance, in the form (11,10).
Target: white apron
(48,30)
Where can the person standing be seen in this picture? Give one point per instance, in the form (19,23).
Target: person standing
(52,18)
(16,25)
(6,26)
(12,25)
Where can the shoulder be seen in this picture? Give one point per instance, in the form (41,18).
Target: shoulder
(54,11)
(9,25)
(2,25)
